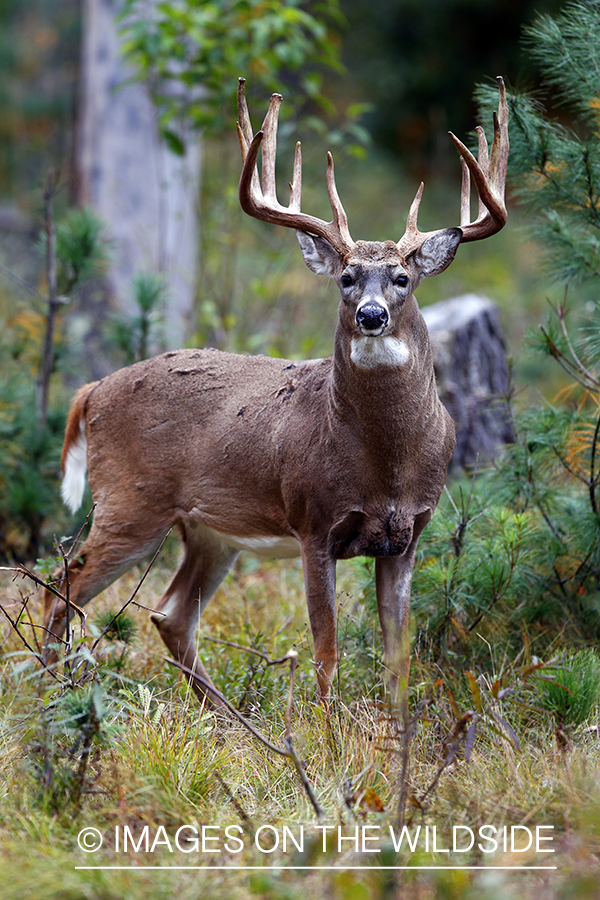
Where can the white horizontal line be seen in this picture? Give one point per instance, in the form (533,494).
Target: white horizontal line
(333,868)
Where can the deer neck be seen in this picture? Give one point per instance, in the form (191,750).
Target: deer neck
(390,383)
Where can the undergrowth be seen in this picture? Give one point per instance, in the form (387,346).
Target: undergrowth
(129,746)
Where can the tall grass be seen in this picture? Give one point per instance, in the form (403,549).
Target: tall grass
(162,763)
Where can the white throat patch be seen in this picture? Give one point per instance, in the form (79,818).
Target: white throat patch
(370,352)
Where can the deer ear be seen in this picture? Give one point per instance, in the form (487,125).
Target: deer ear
(437,252)
(319,255)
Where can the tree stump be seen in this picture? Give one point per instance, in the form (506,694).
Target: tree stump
(469,357)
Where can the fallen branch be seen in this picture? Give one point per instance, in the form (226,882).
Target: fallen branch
(289,751)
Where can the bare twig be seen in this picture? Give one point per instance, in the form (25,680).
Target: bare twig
(211,689)
(47,363)
(236,803)
(251,650)
(593,476)
(91,729)
(456,738)
(27,573)
(30,622)
(68,630)
(22,283)
(570,368)
(293,658)
(80,532)
(132,598)
(28,645)
(288,750)
(561,315)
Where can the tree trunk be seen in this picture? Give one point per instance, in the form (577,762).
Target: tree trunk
(472,375)
(147,196)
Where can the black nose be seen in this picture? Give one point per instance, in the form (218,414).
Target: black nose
(372,316)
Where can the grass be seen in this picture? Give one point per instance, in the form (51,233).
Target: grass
(162,765)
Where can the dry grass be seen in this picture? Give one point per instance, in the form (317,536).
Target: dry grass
(164,765)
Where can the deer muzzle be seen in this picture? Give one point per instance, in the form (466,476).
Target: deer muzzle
(372,317)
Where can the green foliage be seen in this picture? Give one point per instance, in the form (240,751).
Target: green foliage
(30,448)
(554,168)
(29,465)
(521,555)
(117,626)
(191,53)
(72,724)
(138,336)
(81,250)
(572,694)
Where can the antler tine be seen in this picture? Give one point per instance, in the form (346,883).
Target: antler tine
(269,148)
(261,202)
(483,160)
(465,194)
(244,126)
(413,213)
(412,238)
(296,182)
(340,219)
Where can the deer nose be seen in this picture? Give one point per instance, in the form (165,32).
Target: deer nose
(372,316)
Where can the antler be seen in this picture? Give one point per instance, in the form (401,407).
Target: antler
(489,175)
(261,201)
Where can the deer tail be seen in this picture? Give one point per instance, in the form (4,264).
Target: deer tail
(74,452)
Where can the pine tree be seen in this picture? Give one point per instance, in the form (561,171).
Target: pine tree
(522,554)
(554,168)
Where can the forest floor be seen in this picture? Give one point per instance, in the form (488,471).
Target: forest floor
(184,803)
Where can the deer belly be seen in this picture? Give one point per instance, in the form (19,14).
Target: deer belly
(285,547)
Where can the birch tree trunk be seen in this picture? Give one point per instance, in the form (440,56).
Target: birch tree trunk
(147,196)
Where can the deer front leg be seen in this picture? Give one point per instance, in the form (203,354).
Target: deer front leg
(393,578)
(319,583)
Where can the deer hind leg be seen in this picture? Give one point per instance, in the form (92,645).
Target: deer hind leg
(206,562)
(104,556)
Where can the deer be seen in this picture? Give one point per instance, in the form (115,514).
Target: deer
(327,459)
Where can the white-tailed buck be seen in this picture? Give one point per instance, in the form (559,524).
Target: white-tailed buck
(327,458)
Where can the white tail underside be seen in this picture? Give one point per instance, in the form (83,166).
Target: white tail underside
(73,484)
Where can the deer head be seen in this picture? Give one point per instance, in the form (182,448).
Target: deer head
(375,278)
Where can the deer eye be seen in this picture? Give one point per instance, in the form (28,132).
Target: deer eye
(400,280)
(346,281)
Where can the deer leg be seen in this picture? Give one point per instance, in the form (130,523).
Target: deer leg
(102,559)
(319,582)
(393,577)
(205,564)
